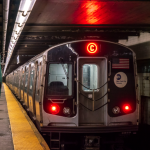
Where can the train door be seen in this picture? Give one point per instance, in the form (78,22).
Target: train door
(13,83)
(25,98)
(16,81)
(92,74)
(18,87)
(38,92)
(26,84)
(12,80)
(31,91)
(22,84)
(18,78)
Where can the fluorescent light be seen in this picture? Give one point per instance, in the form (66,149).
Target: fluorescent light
(21,19)
(17,29)
(23,13)
(26,5)
(15,34)
(14,38)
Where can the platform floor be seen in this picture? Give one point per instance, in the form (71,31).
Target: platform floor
(17,132)
(6,142)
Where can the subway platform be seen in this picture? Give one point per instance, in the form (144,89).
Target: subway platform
(17,132)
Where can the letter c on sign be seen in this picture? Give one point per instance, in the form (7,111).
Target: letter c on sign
(92,48)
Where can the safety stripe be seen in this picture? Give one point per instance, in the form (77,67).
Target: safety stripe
(24,133)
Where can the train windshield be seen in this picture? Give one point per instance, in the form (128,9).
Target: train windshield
(90,77)
(60,80)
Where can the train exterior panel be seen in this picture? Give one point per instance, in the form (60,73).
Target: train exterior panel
(80,87)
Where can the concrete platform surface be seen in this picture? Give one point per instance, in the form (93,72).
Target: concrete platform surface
(17,131)
(6,142)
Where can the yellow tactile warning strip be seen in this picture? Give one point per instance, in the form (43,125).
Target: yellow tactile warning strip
(24,133)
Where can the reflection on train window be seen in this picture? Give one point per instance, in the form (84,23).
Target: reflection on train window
(37,80)
(26,81)
(89,76)
(22,81)
(60,79)
(31,79)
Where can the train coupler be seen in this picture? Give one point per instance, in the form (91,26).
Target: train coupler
(92,143)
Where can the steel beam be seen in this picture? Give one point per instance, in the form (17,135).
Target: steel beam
(100,26)
(80,33)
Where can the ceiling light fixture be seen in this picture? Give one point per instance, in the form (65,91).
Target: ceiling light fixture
(24,11)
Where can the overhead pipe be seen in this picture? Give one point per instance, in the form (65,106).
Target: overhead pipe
(5,23)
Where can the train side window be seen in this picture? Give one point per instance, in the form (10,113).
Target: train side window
(16,78)
(26,81)
(89,77)
(60,79)
(37,80)
(22,80)
(31,80)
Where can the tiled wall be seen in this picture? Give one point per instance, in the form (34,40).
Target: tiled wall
(144,84)
(144,97)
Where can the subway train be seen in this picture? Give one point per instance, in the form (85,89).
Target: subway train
(80,94)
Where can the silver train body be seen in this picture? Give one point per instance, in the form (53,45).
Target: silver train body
(80,87)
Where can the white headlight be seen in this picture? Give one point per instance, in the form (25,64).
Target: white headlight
(66,110)
(116,110)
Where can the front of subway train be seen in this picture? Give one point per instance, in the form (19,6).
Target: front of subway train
(90,87)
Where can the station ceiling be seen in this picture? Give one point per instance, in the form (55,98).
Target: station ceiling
(56,21)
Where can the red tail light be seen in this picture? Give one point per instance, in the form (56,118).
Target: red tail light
(127,108)
(54,108)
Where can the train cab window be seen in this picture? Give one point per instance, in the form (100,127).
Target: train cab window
(60,79)
(89,77)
